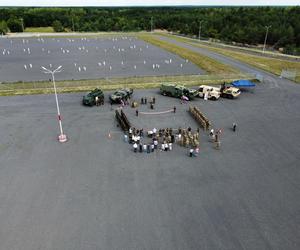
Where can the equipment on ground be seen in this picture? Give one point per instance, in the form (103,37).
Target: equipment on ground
(178,91)
(243,84)
(121,95)
(90,98)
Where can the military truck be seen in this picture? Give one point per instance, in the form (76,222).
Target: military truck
(229,92)
(121,95)
(178,91)
(211,93)
(90,98)
(214,93)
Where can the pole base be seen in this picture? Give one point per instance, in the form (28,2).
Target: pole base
(62,138)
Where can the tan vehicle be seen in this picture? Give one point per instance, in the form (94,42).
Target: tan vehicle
(230,92)
(209,92)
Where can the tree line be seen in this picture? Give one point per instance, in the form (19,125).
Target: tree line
(245,25)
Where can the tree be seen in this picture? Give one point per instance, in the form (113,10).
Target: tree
(57,26)
(14,25)
(3,27)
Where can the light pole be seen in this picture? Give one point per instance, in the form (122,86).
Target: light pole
(199,35)
(73,27)
(267,27)
(62,137)
(151,22)
(22,23)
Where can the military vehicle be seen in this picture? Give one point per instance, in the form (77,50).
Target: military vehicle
(214,93)
(121,94)
(229,92)
(208,92)
(90,98)
(178,91)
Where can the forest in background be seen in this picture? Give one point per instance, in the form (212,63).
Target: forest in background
(246,25)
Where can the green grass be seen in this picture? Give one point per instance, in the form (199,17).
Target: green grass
(206,63)
(46,87)
(272,65)
(39,29)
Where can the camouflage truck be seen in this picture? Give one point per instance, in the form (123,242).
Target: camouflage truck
(177,91)
(90,98)
(121,95)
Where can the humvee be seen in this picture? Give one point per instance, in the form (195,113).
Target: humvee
(90,98)
(122,94)
(230,92)
(178,91)
(209,92)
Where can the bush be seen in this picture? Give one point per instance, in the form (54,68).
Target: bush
(57,26)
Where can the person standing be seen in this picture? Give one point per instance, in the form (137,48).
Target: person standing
(137,112)
(97,100)
(191,152)
(153,100)
(174,109)
(142,100)
(145,100)
(135,147)
(234,127)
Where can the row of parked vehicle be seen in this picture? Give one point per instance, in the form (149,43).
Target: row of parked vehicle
(204,91)
(97,95)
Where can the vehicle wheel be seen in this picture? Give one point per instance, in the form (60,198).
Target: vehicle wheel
(214,98)
(231,96)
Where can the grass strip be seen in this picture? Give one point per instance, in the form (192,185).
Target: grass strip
(46,87)
(272,65)
(39,29)
(206,63)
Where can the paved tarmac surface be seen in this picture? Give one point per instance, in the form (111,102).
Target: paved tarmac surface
(94,193)
(86,58)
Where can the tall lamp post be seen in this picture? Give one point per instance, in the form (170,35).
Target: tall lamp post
(199,35)
(22,23)
(62,137)
(151,24)
(267,27)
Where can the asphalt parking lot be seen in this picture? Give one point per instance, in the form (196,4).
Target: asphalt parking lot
(94,193)
(87,58)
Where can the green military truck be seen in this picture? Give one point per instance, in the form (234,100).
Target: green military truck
(90,98)
(178,91)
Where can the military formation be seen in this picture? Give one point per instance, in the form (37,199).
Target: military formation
(187,138)
(200,117)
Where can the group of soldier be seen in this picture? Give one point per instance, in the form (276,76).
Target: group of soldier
(187,138)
